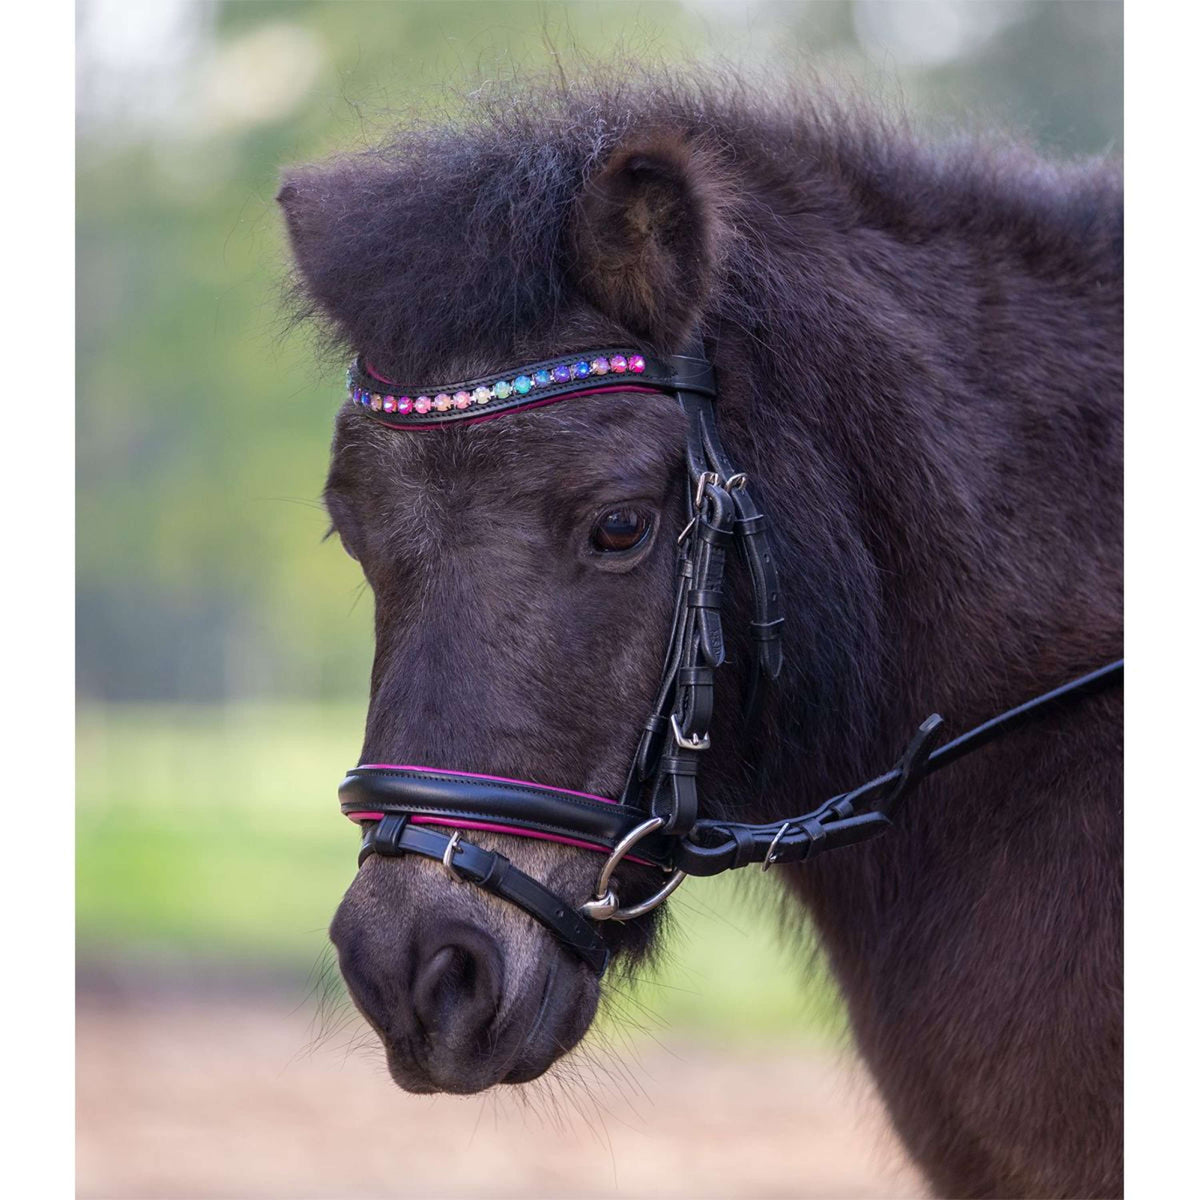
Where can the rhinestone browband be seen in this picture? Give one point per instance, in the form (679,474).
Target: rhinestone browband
(475,399)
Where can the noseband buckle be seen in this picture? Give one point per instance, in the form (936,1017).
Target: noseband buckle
(448,857)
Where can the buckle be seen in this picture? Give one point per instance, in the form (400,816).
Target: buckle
(448,857)
(688,743)
(704,478)
(769,861)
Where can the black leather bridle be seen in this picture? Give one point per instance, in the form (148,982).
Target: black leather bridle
(657,818)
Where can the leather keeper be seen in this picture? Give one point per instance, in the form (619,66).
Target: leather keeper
(744,845)
(714,535)
(766,631)
(677,764)
(677,777)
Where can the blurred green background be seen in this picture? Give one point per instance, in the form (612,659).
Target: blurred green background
(223,648)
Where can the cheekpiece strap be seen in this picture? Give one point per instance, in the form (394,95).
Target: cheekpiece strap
(723,512)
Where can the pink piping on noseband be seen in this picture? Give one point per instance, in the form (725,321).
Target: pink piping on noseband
(490,778)
(487,827)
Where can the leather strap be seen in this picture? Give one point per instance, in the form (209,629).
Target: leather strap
(525,806)
(721,508)
(750,527)
(657,374)
(662,778)
(395,835)
(713,846)
(865,812)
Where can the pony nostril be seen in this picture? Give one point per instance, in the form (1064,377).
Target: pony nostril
(457,987)
(449,977)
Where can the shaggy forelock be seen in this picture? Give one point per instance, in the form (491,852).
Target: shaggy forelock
(449,238)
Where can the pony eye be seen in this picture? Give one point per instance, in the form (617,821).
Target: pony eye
(618,530)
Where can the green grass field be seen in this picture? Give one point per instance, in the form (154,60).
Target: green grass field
(214,834)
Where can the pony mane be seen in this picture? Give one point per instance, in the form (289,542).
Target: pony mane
(452,232)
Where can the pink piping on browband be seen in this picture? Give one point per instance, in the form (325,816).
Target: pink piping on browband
(490,778)
(487,827)
(492,416)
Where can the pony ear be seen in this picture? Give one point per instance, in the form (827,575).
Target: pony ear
(308,202)
(646,235)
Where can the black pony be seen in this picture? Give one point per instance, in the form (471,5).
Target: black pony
(919,356)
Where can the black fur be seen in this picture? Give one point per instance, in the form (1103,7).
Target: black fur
(919,353)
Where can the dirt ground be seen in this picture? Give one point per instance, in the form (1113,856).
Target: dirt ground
(239,1098)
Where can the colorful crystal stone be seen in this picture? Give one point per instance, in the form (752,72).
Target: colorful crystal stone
(557,374)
